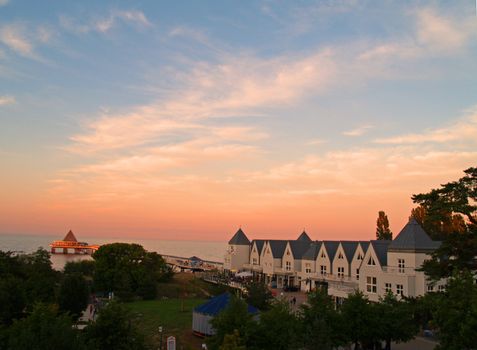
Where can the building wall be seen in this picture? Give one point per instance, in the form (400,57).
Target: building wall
(343,262)
(323,261)
(254,255)
(236,256)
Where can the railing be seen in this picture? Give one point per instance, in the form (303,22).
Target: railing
(254,267)
(408,271)
(282,270)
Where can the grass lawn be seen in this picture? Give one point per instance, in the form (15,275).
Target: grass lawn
(174,315)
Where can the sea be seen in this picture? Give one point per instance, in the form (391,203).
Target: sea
(206,250)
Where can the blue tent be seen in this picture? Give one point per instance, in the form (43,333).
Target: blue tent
(204,313)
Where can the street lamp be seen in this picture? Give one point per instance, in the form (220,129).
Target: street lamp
(160,332)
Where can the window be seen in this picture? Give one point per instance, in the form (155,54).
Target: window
(401,265)
(387,287)
(340,272)
(307,268)
(288,252)
(268,251)
(323,269)
(254,250)
(357,274)
(399,289)
(430,288)
(340,256)
(254,261)
(371,284)
(371,261)
(360,257)
(441,288)
(288,266)
(323,255)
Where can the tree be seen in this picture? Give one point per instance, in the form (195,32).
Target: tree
(278,328)
(12,288)
(40,278)
(235,318)
(73,295)
(43,329)
(320,322)
(113,329)
(82,267)
(450,213)
(259,295)
(396,320)
(360,320)
(232,342)
(129,270)
(456,313)
(382,227)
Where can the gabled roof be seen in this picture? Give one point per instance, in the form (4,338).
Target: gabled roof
(304,237)
(278,248)
(413,238)
(217,304)
(70,237)
(331,247)
(349,248)
(364,245)
(260,243)
(312,251)
(381,249)
(239,238)
(299,248)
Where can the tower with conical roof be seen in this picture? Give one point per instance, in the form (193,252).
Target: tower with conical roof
(238,252)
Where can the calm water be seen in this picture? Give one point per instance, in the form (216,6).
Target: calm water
(205,250)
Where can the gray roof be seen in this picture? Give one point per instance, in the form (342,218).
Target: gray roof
(349,248)
(364,245)
(299,248)
(260,243)
(239,238)
(312,251)
(304,237)
(331,247)
(381,249)
(277,247)
(413,238)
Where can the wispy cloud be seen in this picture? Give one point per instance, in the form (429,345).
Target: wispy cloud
(105,24)
(7,100)
(463,130)
(315,142)
(13,36)
(358,131)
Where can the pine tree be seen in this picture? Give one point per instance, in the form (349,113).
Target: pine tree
(382,227)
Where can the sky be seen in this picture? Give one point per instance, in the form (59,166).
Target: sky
(189,119)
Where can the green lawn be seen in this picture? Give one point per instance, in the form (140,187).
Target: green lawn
(174,315)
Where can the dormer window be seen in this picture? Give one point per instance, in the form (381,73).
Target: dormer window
(371,261)
(288,252)
(360,257)
(323,255)
(254,250)
(268,251)
(340,256)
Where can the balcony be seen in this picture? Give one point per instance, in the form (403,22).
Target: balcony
(405,271)
(282,271)
(253,267)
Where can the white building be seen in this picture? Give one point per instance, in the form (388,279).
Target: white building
(373,267)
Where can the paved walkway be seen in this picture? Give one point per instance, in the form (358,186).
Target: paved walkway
(89,314)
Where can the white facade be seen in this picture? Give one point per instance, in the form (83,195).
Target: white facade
(373,267)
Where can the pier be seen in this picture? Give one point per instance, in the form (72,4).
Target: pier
(70,245)
(193,263)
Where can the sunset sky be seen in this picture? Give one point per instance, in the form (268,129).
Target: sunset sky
(189,119)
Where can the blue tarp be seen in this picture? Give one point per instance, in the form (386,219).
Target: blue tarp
(219,303)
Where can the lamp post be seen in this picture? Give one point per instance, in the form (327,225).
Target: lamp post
(160,332)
